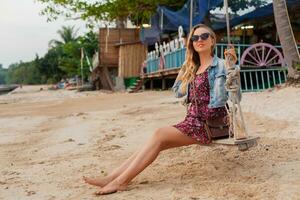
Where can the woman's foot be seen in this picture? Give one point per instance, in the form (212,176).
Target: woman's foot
(112,187)
(98,181)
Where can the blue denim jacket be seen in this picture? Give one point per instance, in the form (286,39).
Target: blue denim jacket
(217,78)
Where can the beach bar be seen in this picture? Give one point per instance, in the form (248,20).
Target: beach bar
(255,38)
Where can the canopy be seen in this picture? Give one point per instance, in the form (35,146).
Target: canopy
(172,19)
(167,20)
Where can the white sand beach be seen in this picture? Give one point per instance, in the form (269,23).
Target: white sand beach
(50,139)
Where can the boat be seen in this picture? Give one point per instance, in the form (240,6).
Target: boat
(7,88)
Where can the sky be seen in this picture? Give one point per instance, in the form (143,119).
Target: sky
(24,33)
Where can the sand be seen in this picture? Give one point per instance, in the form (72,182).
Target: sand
(50,139)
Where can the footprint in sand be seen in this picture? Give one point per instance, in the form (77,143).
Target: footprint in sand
(108,137)
(29,193)
(80,114)
(144,182)
(69,140)
(116,133)
(2,183)
(110,148)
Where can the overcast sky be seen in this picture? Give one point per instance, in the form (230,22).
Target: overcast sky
(23,32)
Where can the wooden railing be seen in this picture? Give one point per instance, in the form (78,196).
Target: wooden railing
(260,79)
(251,79)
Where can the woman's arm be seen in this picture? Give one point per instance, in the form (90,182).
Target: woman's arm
(176,87)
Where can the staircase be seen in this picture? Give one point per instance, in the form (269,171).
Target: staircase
(137,86)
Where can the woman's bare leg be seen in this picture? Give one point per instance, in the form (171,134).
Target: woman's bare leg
(102,181)
(163,138)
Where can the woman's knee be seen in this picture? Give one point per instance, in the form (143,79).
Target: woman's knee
(162,136)
(158,136)
(168,137)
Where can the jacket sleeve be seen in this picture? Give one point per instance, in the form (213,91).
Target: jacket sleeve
(176,87)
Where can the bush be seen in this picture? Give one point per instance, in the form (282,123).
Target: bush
(51,81)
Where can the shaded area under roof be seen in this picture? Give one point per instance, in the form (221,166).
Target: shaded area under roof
(173,19)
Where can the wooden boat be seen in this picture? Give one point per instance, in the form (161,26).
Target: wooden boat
(7,88)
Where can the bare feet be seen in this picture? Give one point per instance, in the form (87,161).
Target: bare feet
(112,187)
(97,181)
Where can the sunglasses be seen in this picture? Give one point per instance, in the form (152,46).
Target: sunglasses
(203,36)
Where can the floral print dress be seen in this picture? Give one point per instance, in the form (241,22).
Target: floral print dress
(193,124)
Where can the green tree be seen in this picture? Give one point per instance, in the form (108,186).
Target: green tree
(67,52)
(49,66)
(66,34)
(24,73)
(90,42)
(71,60)
(3,75)
(61,61)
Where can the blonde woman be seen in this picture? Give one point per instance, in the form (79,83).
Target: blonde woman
(201,78)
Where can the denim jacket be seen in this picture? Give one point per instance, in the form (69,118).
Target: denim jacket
(217,78)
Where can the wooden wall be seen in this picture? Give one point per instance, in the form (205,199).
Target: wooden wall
(108,41)
(131,57)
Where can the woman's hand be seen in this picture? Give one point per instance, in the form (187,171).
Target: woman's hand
(230,53)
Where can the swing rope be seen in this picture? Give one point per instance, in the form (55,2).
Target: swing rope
(233,85)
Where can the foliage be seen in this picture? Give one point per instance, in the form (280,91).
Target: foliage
(66,34)
(49,66)
(297,66)
(3,75)
(61,61)
(24,73)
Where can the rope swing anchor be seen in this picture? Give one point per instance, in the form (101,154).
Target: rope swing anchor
(237,124)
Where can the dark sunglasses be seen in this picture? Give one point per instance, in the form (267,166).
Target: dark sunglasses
(203,36)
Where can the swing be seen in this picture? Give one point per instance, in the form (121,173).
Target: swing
(240,137)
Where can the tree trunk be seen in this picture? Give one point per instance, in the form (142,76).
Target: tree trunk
(286,36)
(121,23)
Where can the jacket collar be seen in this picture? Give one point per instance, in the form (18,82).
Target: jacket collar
(215,61)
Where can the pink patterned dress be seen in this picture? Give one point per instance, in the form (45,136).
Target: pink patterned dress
(193,125)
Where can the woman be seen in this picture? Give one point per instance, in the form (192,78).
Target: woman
(202,79)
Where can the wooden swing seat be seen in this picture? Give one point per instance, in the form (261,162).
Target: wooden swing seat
(243,144)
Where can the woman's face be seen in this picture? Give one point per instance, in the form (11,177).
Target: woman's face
(202,40)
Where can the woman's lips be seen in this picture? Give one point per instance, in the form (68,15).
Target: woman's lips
(200,45)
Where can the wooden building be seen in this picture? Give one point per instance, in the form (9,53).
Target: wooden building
(131,57)
(120,55)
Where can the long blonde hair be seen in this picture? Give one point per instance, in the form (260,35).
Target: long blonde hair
(192,60)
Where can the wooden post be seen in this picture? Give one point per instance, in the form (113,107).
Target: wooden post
(191,14)
(151,84)
(163,83)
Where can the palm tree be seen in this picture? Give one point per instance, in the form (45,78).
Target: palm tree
(67,34)
(286,37)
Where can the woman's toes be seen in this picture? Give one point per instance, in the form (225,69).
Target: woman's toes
(104,192)
(95,181)
(111,188)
